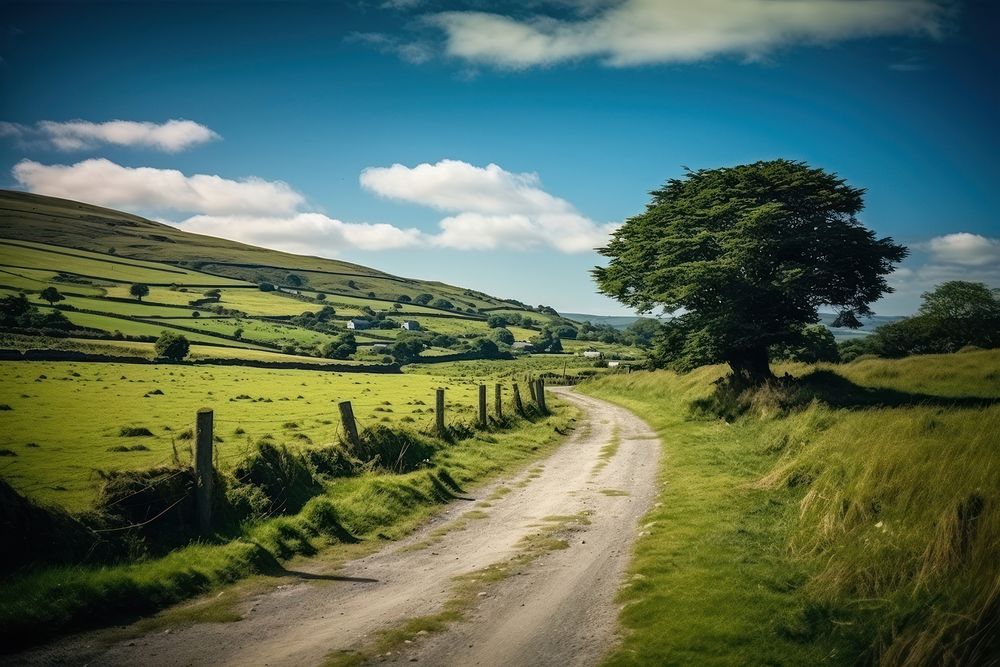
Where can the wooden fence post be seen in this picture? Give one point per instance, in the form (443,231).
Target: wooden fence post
(439,411)
(531,388)
(203,471)
(540,395)
(350,425)
(517,400)
(483,423)
(497,401)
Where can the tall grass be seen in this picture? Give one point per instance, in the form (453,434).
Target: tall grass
(798,531)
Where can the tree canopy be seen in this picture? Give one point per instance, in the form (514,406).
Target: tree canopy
(138,290)
(744,256)
(172,345)
(51,294)
(953,315)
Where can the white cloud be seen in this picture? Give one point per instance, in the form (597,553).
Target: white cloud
(307,233)
(489,208)
(411,52)
(101,181)
(957,256)
(492,207)
(171,136)
(637,32)
(965,249)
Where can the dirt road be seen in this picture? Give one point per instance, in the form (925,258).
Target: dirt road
(555,607)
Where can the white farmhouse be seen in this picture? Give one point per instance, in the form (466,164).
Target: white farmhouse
(358,325)
(592,354)
(410,325)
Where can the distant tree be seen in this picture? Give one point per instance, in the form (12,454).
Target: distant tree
(326,313)
(16,311)
(372,295)
(172,345)
(407,351)
(403,298)
(341,347)
(351,284)
(138,290)
(266,287)
(443,340)
(443,304)
(195,314)
(112,251)
(749,253)
(644,330)
(566,331)
(216,293)
(320,296)
(423,299)
(295,280)
(969,311)
(953,315)
(556,345)
(496,321)
(238,333)
(52,295)
(543,341)
(502,335)
(484,347)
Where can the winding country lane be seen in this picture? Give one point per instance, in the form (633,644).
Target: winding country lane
(557,609)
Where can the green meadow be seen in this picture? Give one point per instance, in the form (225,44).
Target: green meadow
(850,518)
(64,421)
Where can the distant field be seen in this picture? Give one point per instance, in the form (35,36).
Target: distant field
(146,350)
(93,257)
(64,416)
(267,332)
(70,261)
(34,218)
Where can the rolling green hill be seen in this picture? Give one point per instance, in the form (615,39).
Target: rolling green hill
(221,292)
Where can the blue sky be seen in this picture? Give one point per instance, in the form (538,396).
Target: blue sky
(288,119)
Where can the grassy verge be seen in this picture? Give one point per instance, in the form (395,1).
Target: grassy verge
(41,604)
(801,533)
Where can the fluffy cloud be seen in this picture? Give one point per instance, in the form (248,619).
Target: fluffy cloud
(492,207)
(251,210)
(489,207)
(637,32)
(171,136)
(958,256)
(306,233)
(103,182)
(965,249)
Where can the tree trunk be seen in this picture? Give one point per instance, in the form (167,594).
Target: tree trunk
(751,366)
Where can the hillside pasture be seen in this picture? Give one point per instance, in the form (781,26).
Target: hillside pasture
(255,330)
(24,256)
(64,418)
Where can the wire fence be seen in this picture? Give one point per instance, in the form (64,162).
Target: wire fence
(223,455)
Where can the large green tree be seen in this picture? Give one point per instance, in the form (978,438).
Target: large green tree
(744,256)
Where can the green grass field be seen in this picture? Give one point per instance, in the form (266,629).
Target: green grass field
(808,533)
(71,414)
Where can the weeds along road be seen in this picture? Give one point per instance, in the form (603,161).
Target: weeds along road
(533,569)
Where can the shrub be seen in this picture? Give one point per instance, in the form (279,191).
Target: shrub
(134,431)
(172,345)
